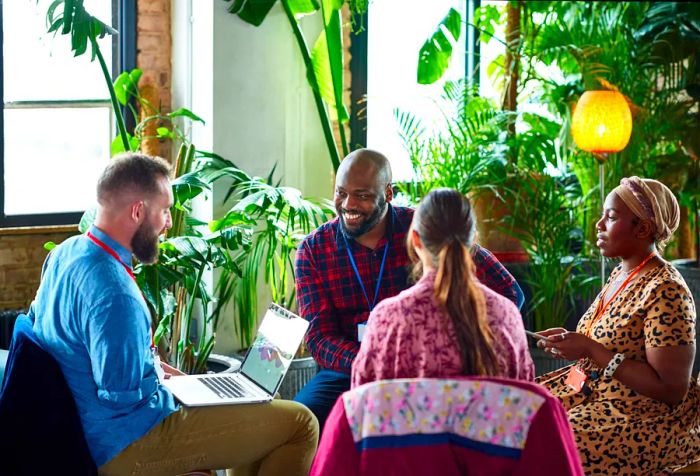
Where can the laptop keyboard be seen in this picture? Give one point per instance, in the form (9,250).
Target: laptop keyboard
(224,387)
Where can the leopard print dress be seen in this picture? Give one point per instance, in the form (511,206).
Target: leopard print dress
(617,430)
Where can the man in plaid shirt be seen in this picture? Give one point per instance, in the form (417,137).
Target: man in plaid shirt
(349,264)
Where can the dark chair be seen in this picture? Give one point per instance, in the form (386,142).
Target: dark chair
(40,430)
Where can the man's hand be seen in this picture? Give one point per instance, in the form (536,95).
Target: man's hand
(170,370)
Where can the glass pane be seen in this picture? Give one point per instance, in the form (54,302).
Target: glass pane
(41,66)
(393,43)
(53,158)
(490,87)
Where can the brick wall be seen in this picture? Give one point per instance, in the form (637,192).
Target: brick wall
(21,250)
(154,51)
(21,256)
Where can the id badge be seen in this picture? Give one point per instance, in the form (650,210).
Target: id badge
(361,327)
(576,378)
(159,368)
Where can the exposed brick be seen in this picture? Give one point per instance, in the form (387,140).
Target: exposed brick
(150,23)
(154,53)
(150,6)
(21,258)
(150,42)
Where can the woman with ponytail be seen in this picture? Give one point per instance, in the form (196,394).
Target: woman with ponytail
(448,323)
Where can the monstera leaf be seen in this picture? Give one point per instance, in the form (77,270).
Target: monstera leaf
(69,17)
(435,54)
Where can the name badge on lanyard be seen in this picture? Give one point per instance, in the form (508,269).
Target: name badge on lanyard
(362,326)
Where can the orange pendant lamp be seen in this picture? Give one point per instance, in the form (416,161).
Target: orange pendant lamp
(601,124)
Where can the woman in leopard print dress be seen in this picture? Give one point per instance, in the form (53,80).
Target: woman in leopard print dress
(637,411)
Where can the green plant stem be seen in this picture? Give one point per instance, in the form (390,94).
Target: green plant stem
(190,305)
(311,75)
(112,95)
(343,139)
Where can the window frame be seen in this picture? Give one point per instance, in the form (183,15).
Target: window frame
(123,59)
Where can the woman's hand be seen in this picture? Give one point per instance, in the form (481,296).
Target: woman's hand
(567,345)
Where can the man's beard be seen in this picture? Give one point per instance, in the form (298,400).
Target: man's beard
(144,243)
(368,224)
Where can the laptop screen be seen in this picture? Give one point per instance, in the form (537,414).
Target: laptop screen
(271,354)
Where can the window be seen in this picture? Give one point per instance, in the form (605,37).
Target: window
(383,64)
(57,120)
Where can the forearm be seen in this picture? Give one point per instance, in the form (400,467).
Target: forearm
(333,352)
(495,276)
(640,377)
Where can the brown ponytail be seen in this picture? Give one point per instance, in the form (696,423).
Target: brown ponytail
(445,223)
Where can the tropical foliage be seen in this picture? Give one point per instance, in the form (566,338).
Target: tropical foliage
(553,52)
(466,151)
(279,218)
(260,230)
(323,62)
(472,152)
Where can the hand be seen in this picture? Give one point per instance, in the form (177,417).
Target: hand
(552,331)
(567,345)
(170,370)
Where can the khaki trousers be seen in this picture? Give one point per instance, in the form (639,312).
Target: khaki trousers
(275,438)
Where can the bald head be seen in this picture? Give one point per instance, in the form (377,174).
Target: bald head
(366,161)
(362,191)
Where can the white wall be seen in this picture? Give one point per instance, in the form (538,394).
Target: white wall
(249,84)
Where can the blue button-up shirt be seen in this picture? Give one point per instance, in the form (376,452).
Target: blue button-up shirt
(90,315)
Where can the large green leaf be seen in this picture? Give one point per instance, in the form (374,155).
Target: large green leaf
(184,112)
(126,85)
(327,61)
(188,186)
(73,19)
(434,56)
(117,146)
(301,8)
(251,11)
(187,247)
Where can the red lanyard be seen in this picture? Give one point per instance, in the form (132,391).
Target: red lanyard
(600,309)
(114,255)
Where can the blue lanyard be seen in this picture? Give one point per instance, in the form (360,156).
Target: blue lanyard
(359,278)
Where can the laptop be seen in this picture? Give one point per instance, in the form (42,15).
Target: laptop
(261,372)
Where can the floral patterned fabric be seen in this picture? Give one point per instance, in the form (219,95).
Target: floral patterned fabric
(410,335)
(470,425)
(488,412)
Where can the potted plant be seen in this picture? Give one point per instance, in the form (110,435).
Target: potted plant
(559,278)
(279,218)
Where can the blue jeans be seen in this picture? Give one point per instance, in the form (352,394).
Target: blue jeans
(320,394)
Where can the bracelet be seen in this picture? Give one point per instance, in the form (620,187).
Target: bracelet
(613,365)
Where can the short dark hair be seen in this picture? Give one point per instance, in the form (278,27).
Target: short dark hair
(132,172)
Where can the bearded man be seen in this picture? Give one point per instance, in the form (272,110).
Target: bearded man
(90,315)
(349,264)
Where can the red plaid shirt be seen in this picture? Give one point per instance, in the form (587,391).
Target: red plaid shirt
(331,299)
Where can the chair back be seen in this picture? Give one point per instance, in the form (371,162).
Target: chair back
(40,429)
(474,425)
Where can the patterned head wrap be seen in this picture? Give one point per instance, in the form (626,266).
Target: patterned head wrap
(651,200)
